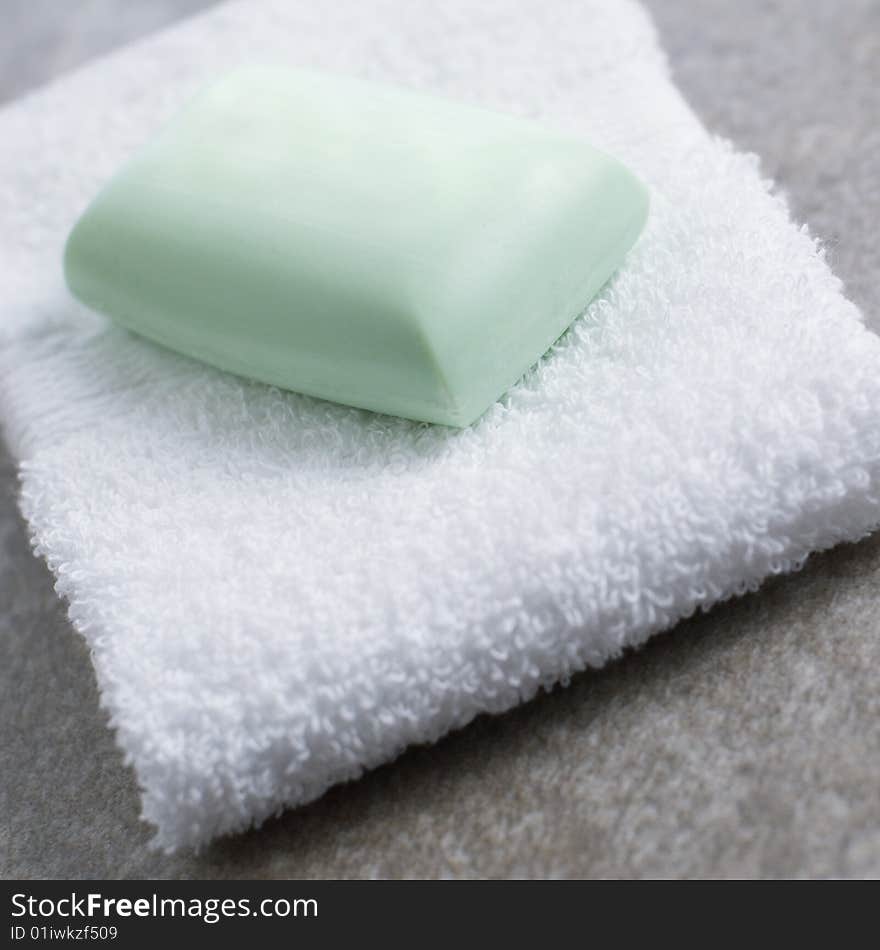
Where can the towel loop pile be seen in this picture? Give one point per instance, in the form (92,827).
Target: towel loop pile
(279,593)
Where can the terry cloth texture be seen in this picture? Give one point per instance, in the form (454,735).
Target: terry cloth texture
(278,592)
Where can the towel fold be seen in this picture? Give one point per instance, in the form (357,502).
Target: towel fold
(280,592)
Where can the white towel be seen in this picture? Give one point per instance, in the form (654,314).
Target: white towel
(279,592)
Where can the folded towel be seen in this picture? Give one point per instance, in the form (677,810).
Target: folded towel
(279,592)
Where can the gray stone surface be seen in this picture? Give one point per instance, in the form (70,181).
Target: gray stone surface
(744,743)
(41,39)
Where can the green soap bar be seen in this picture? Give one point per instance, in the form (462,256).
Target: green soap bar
(356,241)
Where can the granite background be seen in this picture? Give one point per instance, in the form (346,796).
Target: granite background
(746,742)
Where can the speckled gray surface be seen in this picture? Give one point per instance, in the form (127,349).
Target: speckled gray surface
(744,743)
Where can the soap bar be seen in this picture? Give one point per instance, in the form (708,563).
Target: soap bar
(356,241)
